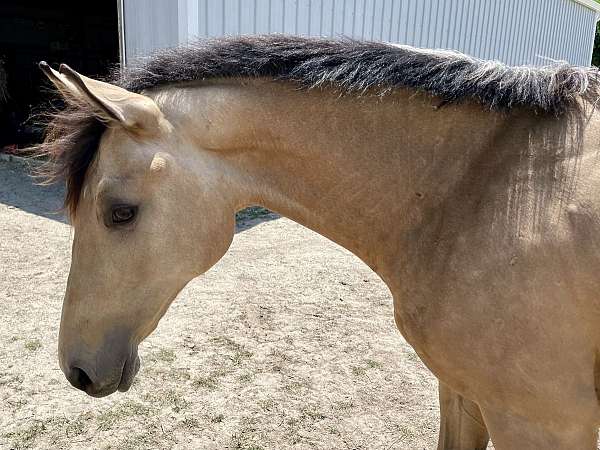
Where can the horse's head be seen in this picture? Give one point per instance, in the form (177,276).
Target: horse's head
(144,223)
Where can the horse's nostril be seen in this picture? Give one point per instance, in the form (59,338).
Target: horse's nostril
(79,378)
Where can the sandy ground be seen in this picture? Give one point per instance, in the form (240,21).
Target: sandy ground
(289,342)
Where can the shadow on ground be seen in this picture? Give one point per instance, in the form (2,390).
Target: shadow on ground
(20,190)
(252,216)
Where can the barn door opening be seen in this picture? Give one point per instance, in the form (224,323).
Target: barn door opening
(82,34)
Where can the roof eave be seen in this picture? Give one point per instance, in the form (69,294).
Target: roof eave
(592,4)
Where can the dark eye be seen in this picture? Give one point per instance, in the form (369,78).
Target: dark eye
(122,214)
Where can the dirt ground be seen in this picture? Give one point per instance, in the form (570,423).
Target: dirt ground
(289,342)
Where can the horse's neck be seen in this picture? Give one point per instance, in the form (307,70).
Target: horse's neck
(360,171)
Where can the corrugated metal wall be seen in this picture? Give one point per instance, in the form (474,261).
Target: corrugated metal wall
(512,31)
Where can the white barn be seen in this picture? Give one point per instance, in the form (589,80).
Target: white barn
(513,31)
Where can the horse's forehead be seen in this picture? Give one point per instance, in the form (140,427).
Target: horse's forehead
(119,154)
(119,157)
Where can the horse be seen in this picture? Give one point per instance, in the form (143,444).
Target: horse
(471,188)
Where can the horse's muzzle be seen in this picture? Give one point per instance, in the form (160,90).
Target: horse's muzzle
(87,381)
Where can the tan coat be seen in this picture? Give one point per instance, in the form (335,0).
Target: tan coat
(483,225)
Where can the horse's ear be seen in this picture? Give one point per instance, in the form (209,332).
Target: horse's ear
(133,111)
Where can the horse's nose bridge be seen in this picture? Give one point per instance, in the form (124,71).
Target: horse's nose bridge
(80,340)
(66,342)
(84,323)
(92,342)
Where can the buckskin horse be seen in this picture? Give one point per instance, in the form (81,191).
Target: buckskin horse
(470,187)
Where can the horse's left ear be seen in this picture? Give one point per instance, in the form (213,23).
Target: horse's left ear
(135,112)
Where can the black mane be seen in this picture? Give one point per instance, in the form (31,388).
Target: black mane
(356,67)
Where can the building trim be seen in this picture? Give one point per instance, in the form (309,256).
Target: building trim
(592,4)
(121,28)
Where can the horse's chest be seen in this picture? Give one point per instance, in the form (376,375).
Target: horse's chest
(490,315)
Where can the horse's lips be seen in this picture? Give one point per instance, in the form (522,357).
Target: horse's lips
(130,369)
(128,373)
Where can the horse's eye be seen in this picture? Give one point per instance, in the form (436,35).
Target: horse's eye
(122,214)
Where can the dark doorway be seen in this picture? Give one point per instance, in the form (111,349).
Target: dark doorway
(82,34)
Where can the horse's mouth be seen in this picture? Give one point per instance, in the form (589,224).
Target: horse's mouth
(122,384)
(130,370)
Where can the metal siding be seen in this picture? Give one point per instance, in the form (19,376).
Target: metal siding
(504,34)
(386,20)
(476,28)
(587,32)
(403,21)
(446,29)
(437,25)
(523,21)
(580,46)
(567,46)
(460,24)
(531,39)
(451,17)
(590,39)
(433,32)
(421,25)
(468,31)
(337,25)
(555,17)
(394,22)
(513,31)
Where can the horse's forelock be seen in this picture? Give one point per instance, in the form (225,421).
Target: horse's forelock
(69,147)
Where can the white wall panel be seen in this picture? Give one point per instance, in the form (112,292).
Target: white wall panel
(512,31)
